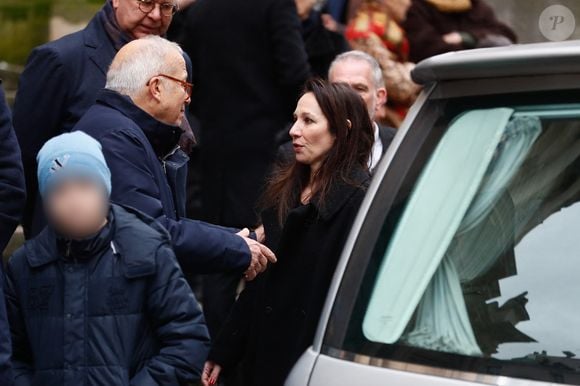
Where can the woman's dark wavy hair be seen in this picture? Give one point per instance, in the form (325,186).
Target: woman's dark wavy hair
(351,150)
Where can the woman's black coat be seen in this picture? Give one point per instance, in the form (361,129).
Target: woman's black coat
(275,318)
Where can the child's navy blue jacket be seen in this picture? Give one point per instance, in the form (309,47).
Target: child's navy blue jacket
(111,310)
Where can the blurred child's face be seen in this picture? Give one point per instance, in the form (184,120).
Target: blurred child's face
(77,208)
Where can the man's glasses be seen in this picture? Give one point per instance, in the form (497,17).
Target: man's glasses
(187,87)
(167,9)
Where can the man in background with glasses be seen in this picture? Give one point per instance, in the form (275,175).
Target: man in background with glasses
(61,80)
(136,119)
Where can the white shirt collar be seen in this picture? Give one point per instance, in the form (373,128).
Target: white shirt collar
(377,149)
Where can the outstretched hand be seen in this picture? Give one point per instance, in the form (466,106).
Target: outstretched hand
(261,256)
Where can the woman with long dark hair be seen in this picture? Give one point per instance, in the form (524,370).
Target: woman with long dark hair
(310,205)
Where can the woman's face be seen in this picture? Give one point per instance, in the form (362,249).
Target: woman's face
(311,137)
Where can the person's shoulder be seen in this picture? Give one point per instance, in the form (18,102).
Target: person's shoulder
(141,239)
(139,224)
(18,259)
(355,199)
(361,179)
(102,120)
(66,48)
(34,253)
(69,42)
(386,134)
(387,131)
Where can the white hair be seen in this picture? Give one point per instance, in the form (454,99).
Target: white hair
(361,56)
(129,75)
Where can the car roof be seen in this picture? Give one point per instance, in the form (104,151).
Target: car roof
(508,61)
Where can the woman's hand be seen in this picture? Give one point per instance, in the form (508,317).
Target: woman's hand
(211,373)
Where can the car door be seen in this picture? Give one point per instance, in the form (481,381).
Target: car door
(463,265)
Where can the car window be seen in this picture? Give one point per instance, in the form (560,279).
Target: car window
(477,269)
(417,255)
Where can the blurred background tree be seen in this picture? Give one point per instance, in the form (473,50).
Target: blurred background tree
(25,24)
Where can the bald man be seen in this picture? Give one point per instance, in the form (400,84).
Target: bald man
(136,119)
(62,78)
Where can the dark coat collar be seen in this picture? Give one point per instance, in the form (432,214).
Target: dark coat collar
(163,138)
(88,247)
(101,48)
(132,235)
(341,191)
(49,247)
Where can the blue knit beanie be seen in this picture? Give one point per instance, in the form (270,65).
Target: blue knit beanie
(72,155)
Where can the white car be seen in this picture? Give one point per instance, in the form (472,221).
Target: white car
(463,266)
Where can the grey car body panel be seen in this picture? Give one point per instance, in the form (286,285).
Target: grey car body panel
(501,62)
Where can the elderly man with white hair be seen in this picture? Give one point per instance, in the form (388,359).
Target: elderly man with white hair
(62,78)
(136,118)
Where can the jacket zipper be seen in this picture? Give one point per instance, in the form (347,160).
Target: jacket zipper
(68,249)
(164,158)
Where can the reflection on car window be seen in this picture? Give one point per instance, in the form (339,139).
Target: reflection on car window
(504,285)
(548,263)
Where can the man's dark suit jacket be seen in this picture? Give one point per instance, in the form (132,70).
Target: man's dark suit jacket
(249,65)
(59,84)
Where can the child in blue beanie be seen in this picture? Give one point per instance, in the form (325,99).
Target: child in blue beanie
(97,298)
(75,184)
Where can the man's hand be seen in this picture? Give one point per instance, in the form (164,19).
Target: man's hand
(261,256)
(211,373)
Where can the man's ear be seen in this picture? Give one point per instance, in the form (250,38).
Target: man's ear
(154,87)
(116,4)
(382,96)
